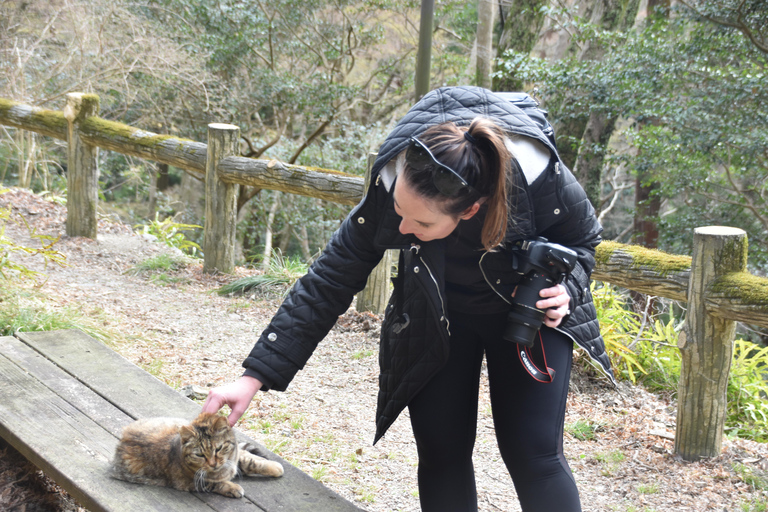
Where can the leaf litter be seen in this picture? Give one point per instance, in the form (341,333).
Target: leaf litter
(187,335)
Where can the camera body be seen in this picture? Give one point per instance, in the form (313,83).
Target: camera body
(543,265)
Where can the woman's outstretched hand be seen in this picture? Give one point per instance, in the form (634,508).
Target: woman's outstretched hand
(237,395)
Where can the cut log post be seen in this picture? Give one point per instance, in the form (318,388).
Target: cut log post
(375,295)
(220,201)
(82,168)
(706,345)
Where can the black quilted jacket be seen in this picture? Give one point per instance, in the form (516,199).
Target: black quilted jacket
(414,334)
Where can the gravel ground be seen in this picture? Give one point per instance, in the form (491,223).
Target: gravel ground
(178,329)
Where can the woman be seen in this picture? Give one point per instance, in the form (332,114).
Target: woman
(461,180)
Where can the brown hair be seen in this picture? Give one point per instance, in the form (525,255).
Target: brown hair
(482,159)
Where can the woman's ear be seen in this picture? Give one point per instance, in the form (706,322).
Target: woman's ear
(470,212)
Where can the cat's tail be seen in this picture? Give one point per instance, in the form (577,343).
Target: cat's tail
(255,449)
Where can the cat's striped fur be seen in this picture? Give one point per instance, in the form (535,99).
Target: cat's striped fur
(199,456)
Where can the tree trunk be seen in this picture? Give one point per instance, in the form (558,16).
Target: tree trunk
(589,163)
(268,236)
(521,24)
(485,10)
(609,15)
(163,177)
(706,345)
(152,203)
(26,158)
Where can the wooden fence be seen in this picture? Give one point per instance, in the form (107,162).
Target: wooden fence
(714,281)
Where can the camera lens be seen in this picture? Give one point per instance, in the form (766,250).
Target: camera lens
(525,319)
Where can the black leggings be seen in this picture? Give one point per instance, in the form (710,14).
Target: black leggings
(528,417)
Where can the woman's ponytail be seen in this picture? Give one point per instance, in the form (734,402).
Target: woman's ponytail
(478,153)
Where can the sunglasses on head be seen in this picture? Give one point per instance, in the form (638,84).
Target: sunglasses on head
(447,181)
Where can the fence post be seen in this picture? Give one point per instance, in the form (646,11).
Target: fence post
(706,345)
(220,201)
(375,295)
(82,168)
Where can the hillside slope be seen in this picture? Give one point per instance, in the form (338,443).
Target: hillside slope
(185,334)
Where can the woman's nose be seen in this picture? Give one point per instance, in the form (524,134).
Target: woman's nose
(404,228)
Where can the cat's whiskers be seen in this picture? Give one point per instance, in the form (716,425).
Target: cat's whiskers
(200,484)
(200,456)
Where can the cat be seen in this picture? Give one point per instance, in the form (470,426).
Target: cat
(199,456)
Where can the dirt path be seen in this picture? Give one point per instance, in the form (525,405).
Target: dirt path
(185,334)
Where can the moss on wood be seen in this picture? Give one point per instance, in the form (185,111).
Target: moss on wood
(661,262)
(96,126)
(52,121)
(748,289)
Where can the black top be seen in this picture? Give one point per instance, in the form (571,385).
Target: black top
(465,287)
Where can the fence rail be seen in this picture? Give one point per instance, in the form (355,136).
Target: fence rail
(713,282)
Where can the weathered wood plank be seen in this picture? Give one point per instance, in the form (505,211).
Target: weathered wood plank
(643,270)
(706,345)
(338,187)
(109,417)
(96,408)
(34,119)
(141,395)
(220,202)
(182,153)
(70,447)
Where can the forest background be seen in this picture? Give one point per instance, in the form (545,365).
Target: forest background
(659,108)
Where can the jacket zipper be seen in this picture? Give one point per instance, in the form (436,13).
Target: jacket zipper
(485,276)
(444,316)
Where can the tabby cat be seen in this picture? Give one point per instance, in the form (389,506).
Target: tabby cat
(198,456)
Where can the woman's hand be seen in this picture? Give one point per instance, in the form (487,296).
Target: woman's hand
(237,395)
(555,304)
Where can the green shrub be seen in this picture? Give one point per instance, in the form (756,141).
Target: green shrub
(10,269)
(647,353)
(160,263)
(171,233)
(617,325)
(27,310)
(748,392)
(278,278)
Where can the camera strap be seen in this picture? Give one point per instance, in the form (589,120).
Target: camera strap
(529,361)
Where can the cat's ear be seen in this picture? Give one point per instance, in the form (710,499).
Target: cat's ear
(186,432)
(220,424)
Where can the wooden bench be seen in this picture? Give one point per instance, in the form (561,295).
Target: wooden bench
(65,399)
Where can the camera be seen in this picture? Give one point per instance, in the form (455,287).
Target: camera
(543,265)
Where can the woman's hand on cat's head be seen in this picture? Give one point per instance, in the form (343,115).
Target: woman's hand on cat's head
(237,395)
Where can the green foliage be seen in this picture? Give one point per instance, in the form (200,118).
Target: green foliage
(647,353)
(171,233)
(617,325)
(748,392)
(694,92)
(11,269)
(27,310)
(753,477)
(279,277)
(754,505)
(583,430)
(160,263)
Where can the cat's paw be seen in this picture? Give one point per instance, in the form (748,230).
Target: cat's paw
(275,469)
(230,489)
